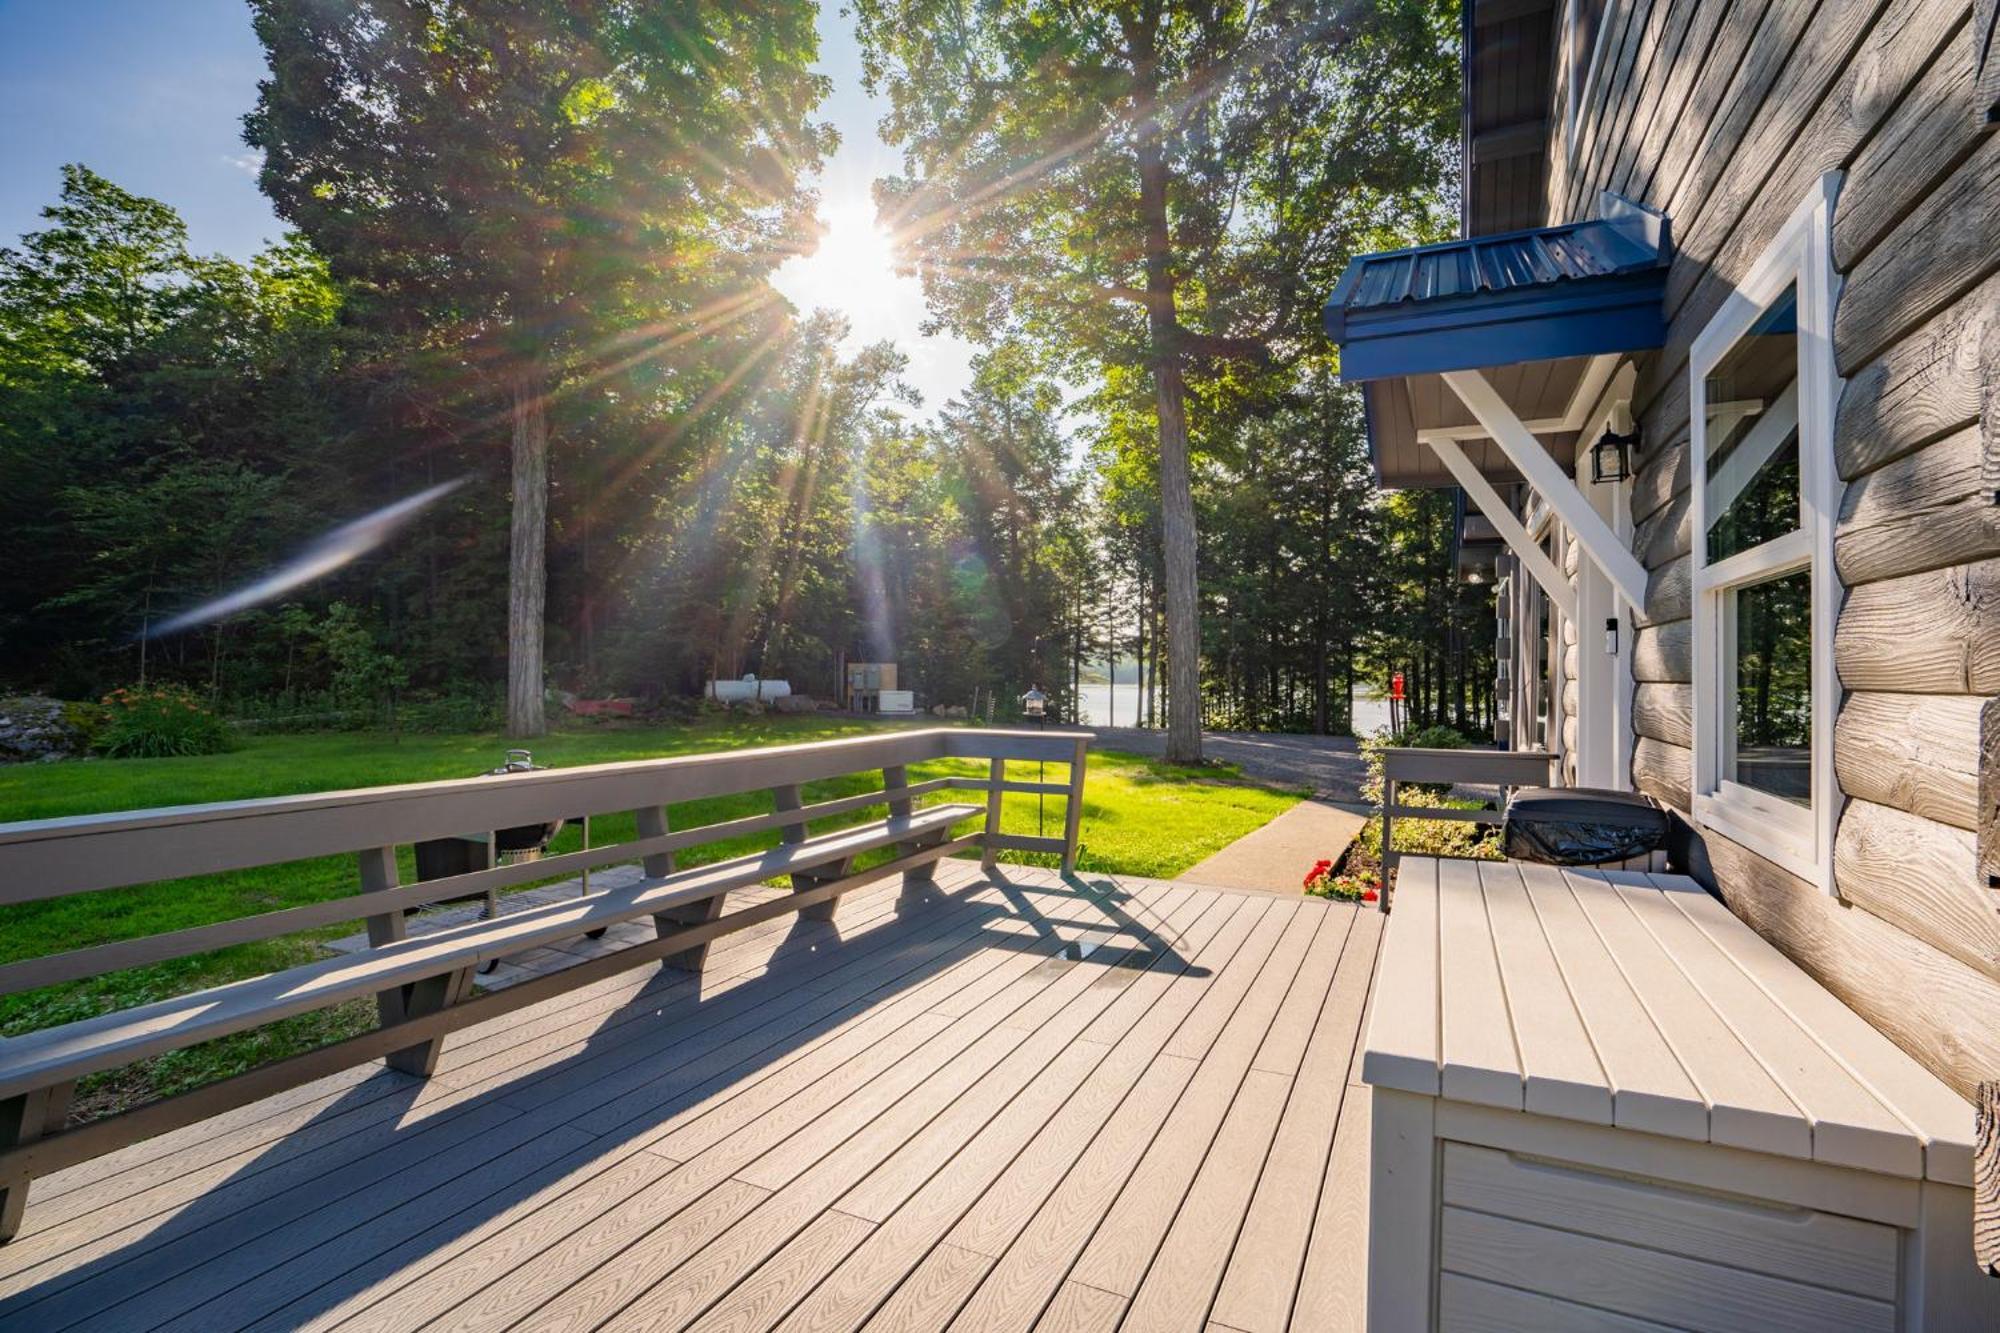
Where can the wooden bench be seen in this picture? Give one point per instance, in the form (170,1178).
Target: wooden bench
(1600,1099)
(424,985)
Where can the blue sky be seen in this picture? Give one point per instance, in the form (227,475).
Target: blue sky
(151,93)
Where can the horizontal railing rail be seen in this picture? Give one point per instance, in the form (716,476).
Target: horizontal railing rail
(1504,769)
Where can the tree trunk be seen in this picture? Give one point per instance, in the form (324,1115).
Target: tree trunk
(1176,489)
(527,571)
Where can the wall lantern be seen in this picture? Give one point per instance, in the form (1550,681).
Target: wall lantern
(1611,457)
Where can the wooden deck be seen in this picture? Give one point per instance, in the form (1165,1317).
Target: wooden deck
(1008,1103)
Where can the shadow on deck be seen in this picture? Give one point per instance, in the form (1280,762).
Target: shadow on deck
(1008,1101)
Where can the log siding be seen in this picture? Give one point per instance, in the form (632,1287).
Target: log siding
(1723,114)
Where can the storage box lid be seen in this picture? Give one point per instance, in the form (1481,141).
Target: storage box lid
(1637,1000)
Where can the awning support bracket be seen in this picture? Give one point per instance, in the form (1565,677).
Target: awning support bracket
(1542,472)
(1533,558)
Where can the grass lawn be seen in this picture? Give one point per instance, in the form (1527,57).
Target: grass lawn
(1140,817)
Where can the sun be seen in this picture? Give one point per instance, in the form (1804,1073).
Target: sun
(853,272)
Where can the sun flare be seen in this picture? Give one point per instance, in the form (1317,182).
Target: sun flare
(853,272)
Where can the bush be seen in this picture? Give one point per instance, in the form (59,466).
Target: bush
(159,722)
(458,711)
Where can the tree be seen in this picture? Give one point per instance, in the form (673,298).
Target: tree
(1164,185)
(543,191)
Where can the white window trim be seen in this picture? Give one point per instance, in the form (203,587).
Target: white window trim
(1799,840)
(1578,94)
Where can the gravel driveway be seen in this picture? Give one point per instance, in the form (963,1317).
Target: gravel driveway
(1330,765)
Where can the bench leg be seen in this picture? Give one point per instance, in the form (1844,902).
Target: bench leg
(692,914)
(926,874)
(419,999)
(822,911)
(24,1119)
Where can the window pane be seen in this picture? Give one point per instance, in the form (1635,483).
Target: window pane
(1770,742)
(1753,434)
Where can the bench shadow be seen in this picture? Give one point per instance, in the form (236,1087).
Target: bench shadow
(354,1195)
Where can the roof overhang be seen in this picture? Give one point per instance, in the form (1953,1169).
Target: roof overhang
(1535,310)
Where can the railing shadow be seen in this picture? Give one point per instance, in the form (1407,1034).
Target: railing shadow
(367,1190)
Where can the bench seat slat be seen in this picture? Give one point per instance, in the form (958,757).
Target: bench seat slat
(55,1055)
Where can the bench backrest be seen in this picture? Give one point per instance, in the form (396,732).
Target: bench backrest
(51,858)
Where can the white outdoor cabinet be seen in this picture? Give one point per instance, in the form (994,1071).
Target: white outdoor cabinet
(1600,1101)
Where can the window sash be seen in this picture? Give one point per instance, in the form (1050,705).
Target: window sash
(1799,839)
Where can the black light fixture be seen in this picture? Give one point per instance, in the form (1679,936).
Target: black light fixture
(1611,457)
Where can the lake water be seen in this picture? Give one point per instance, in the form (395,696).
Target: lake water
(1119,705)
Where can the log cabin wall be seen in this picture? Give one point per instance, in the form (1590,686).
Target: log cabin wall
(1723,114)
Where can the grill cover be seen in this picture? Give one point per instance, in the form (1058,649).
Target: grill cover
(1581,826)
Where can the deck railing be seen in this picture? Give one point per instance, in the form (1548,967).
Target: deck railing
(1504,769)
(52,858)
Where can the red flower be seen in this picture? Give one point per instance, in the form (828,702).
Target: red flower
(1370,896)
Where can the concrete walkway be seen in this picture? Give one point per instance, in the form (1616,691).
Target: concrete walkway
(1276,857)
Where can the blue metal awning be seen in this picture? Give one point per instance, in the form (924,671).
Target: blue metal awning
(1577,290)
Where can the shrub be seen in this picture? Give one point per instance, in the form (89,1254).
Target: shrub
(159,722)
(465,710)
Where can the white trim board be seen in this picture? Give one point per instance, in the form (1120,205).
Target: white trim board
(1800,840)
(1525,547)
(1543,473)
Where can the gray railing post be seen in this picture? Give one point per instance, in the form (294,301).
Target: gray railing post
(996,776)
(896,776)
(1388,828)
(379,873)
(1073,810)
(786,797)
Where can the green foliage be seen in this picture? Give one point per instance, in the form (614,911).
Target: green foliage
(158,723)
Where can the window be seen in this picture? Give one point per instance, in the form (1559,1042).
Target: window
(1762,396)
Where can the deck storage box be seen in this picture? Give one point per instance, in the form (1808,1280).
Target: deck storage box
(1600,1100)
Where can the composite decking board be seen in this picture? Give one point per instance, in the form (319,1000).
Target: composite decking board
(1129,1233)
(286,1116)
(1650,1090)
(701,1033)
(716,1142)
(1014,1125)
(705,1033)
(1081,1309)
(914,1218)
(1333,1280)
(1022,1284)
(1127,1242)
(1262,1279)
(933,1291)
(1849,1126)
(1402,1047)
(808,1175)
(1185,1272)
(755,1304)
(702,1041)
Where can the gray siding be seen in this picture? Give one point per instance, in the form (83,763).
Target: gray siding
(1723,113)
